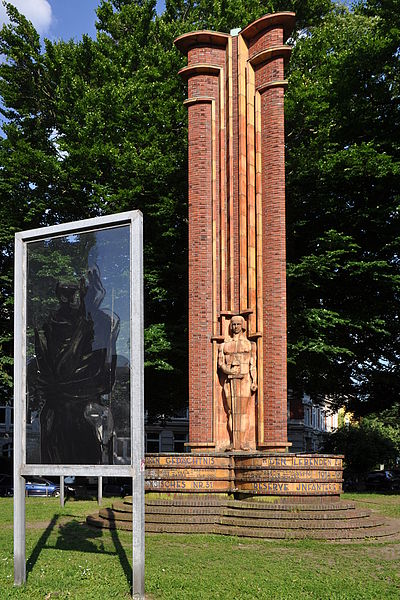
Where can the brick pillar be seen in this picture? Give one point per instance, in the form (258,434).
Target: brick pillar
(205,76)
(200,271)
(267,53)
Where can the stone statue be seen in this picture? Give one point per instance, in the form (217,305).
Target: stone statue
(237,366)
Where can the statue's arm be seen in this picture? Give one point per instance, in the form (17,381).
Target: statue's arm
(222,366)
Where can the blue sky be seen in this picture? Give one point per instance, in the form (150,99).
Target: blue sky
(72,18)
(61,19)
(64,19)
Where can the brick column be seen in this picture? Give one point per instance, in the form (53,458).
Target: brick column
(267,53)
(204,73)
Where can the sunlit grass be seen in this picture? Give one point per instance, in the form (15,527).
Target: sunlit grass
(67,559)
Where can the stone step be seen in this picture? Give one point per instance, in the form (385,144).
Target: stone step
(387,529)
(184,519)
(238,511)
(108,513)
(328,534)
(188,500)
(97,521)
(290,507)
(183,510)
(277,522)
(242,504)
(312,525)
(122,506)
(246,518)
(180,528)
(196,500)
(291,515)
(113,515)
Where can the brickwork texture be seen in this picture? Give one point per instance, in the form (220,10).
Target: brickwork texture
(237,220)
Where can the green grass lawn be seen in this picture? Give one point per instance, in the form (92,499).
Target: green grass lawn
(66,559)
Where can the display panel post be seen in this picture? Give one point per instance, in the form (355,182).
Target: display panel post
(78,375)
(19,414)
(137,449)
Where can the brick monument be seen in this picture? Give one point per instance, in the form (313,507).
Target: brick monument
(237,276)
(237,262)
(237,315)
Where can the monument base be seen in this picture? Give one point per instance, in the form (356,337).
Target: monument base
(249,494)
(246,474)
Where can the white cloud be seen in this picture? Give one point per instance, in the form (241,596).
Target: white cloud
(37,11)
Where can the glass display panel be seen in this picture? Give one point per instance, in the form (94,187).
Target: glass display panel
(78,348)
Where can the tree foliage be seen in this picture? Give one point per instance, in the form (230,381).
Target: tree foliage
(98,126)
(343,209)
(367,444)
(364,446)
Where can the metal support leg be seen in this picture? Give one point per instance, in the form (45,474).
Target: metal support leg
(138,536)
(62,491)
(19,530)
(99,490)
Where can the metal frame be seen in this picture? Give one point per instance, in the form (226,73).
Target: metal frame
(136,468)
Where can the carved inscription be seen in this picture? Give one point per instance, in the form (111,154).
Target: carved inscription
(166,473)
(256,474)
(186,461)
(293,461)
(165,485)
(269,487)
(288,475)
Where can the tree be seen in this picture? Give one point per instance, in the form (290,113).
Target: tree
(343,210)
(94,128)
(366,444)
(98,126)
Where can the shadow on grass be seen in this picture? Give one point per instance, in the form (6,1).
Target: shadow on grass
(32,560)
(125,564)
(77,536)
(72,536)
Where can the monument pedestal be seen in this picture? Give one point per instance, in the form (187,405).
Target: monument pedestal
(248,494)
(246,474)
(259,495)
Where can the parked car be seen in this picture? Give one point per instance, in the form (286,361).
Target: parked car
(380,481)
(70,486)
(39,486)
(80,487)
(6,485)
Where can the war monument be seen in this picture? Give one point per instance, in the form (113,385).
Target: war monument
(239,476)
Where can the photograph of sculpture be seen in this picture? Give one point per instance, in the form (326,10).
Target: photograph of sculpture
(78,346)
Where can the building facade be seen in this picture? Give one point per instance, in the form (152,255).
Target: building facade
(308,422)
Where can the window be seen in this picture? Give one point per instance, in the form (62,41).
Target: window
(179,442)
(153,441)
(2,415)
(314,418)
(183,414)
